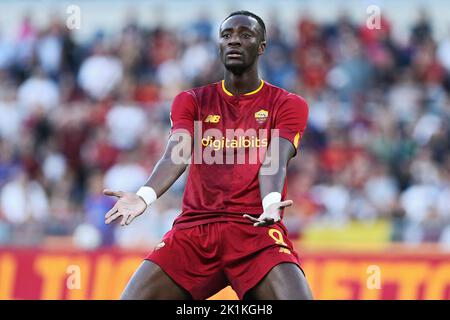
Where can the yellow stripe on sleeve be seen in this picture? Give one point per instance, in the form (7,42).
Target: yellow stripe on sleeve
(296,140)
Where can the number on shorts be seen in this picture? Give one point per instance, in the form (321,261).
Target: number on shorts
(278,237)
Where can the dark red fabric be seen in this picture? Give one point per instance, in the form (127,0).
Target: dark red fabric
(224,192)
(206,258)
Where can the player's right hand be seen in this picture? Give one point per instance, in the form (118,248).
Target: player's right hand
(128,206)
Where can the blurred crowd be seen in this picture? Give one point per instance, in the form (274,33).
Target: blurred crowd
(76,117)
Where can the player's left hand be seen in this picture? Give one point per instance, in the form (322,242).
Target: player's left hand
(271,215)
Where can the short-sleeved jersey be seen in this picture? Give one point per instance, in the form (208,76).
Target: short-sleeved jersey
(234,127)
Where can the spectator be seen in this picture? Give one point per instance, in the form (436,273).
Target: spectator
(101,73)
(47,99)
(126,124)
(77,116)
(49,49)
(443,53)
(96,206)
(125,175)
(23,200)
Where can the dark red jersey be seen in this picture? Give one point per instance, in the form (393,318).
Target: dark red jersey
(222,183)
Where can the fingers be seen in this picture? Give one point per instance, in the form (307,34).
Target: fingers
(264,222)
(252,219)
(124,220)
(261,221)
(111,212)
(113,217)
(117,194)
(286,203)
(129,219)
(115,213)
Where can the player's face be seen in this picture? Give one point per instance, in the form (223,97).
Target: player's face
(240,43)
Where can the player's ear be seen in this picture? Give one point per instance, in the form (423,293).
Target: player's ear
(262,47)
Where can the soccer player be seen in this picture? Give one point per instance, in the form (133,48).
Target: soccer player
(230,230)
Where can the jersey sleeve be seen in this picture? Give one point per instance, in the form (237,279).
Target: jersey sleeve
(182,114)
(291,119)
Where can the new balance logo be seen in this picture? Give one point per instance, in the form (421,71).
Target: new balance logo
(160,245)
(212,118)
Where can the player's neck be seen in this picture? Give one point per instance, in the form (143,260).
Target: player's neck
(242,83)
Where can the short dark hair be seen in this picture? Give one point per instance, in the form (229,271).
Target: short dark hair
(250,14)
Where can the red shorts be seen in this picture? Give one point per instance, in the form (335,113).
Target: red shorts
(206,258)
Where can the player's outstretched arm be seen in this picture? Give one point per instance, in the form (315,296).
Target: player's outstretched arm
(271,182)
(174,161)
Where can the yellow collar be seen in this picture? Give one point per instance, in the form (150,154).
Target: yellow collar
(246,94)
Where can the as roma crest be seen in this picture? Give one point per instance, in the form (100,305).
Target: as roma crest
(261,116)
